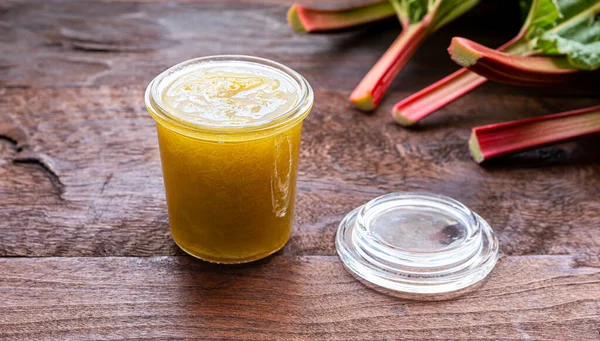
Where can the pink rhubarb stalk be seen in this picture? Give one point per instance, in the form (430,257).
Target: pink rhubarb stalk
(510,69)
(370,90)
(304,19)
(494,140)
(419,105)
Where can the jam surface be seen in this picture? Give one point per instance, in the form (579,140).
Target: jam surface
(221,94)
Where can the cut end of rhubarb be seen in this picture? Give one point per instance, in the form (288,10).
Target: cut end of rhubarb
(475,149)
(401,119)
(363,101)
(461,52)
(293,18)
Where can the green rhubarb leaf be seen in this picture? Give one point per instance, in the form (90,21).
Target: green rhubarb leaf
(410,11)
(572,8)
(564,27)
(442,11)
(577,38)
(543,15)
(450,10)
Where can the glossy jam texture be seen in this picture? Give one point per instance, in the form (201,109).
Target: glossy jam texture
(230,201)
(222,94)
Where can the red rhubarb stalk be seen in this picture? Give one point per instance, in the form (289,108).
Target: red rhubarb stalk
(304,19)
(494,140)
(510,69)
(370,90)
(419,19)
(417,106)
(428,100)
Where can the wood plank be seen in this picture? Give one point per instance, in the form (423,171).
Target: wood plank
(291,298)
(84,177)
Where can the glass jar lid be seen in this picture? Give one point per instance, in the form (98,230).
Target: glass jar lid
(418,244)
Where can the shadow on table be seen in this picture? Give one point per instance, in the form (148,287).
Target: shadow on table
(583,152)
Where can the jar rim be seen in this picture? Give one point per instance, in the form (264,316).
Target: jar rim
(156,108)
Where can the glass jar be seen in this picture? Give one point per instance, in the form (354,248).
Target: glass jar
(230,190)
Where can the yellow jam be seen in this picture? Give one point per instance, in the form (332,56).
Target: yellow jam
(229,150)
(229,95)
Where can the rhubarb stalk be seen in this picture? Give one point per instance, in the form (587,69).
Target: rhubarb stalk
(493,140)
(428,100)
(417,106)
(419,19)
(305,19)
(508,69)
(370,90)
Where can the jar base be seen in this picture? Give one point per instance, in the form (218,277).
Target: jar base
(228,261)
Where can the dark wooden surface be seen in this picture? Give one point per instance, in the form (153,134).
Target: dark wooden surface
(84,240)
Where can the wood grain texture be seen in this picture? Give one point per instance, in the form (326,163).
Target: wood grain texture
(80,154)
(85,176)
(80,179)
(49,43)
(284,298)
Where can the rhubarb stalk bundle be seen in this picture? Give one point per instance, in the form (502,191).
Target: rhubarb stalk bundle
(569,47)
(419,19)
(567,30)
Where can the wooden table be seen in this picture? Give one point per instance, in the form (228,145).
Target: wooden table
(84,234)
